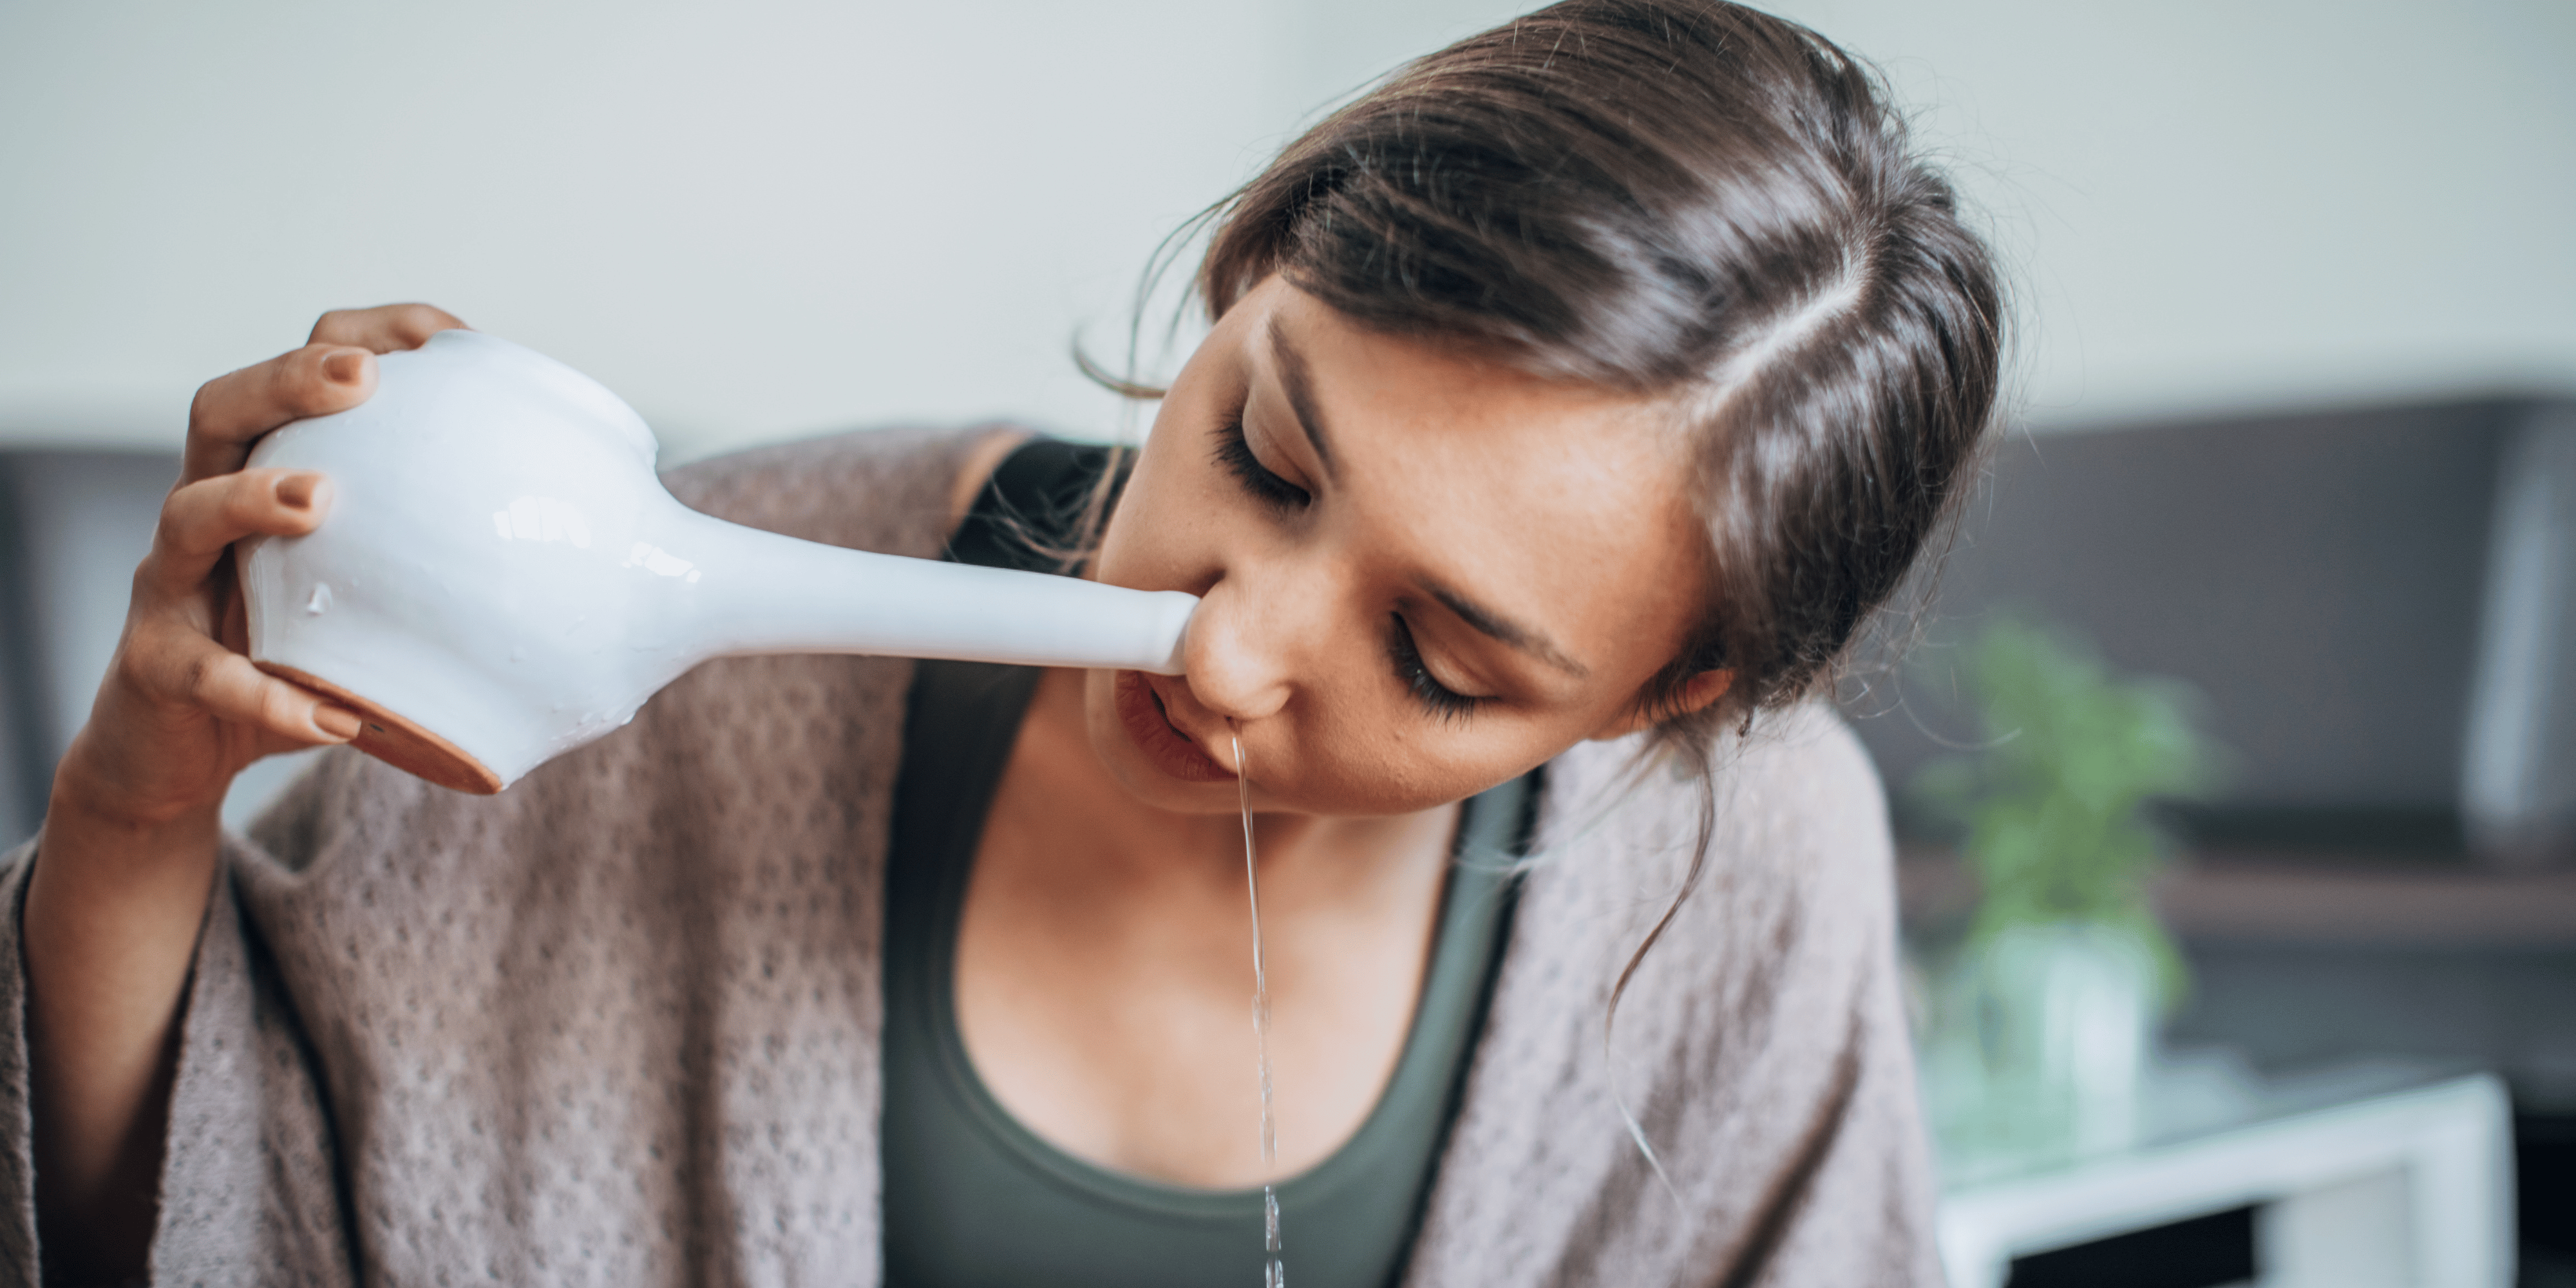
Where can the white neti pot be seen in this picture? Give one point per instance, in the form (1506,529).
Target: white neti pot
(503,578)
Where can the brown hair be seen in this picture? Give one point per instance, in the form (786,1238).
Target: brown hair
(1688,199)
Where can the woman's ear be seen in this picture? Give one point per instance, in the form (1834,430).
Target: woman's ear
(1695,695)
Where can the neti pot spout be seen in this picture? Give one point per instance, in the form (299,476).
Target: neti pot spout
(765,593)
(503,577)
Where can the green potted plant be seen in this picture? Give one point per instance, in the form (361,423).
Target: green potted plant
(2047,1022)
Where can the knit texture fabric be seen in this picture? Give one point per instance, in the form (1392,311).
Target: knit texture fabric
(619,1024)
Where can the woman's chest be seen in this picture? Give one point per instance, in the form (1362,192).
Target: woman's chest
(1114,1018)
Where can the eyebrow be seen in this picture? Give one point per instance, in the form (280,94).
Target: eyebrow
(1295,381)
(1505,629)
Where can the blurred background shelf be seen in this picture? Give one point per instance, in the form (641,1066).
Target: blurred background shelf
(2376,607)
(2378,1177)
(2307,898)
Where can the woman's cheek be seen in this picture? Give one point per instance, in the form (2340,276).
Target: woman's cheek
(1365,758)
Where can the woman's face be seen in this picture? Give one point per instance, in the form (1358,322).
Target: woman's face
(1423,574)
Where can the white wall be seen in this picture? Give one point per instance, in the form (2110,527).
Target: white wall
(2219,204)
(754,220)
(2216,204)
(779,216)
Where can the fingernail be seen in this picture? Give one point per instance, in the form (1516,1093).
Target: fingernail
(339,722)
(296,490)
(344,367)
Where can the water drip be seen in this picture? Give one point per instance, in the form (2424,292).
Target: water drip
(1273,1274)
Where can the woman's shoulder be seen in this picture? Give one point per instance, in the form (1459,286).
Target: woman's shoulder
(1796,879)
(1793,796)
(1759,1048)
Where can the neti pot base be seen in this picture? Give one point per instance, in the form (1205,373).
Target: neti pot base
(399,742)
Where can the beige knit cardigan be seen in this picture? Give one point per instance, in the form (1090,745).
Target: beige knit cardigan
(619,1024)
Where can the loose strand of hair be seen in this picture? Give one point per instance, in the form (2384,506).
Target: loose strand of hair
(1706,835)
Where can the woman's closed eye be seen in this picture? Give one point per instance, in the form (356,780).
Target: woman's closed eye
(1234,452)
(1437,698)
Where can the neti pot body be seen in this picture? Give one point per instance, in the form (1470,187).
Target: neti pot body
(502,577)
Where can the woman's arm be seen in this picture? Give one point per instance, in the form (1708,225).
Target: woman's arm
(127,855)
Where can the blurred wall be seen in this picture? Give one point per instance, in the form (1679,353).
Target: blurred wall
(779,216)
(2224,206)
(754,220)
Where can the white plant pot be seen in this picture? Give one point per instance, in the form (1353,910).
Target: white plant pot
(2047,1040)
(503,578)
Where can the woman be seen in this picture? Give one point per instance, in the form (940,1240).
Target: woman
(1571,400)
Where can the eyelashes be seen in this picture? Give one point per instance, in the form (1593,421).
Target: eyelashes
(1437,698)
(1234,452)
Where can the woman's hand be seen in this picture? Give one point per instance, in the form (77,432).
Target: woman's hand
(182,709)
(128,851)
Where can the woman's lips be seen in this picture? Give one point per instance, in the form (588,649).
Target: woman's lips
(1140,712)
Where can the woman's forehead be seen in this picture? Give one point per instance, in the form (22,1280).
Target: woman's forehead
(1444,420)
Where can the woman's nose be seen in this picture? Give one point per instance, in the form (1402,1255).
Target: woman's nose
(1237,659)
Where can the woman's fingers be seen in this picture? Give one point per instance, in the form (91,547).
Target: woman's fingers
(232,410)
(170,654)
(201,519)
(386,327)
(180,668)
(333,372)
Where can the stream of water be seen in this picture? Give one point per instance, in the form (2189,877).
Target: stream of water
(1273,1275)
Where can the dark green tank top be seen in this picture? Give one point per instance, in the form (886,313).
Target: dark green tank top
(973,1199)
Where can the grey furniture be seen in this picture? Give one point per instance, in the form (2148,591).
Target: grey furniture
(73,525)
(2375,603)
